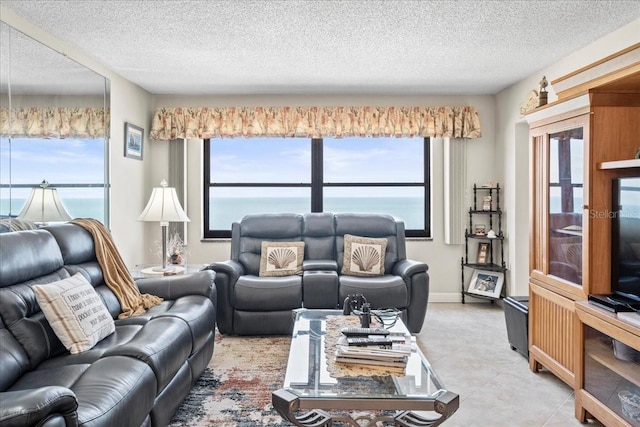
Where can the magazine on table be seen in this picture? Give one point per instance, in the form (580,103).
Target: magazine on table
(395,355)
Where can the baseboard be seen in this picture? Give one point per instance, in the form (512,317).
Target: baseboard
(456,297)
(445,297)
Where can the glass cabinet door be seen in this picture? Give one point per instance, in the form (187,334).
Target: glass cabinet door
(565,204)
(612,374)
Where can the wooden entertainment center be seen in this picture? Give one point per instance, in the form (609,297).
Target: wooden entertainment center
(578,145)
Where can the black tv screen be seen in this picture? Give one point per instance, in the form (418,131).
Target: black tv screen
(625,238)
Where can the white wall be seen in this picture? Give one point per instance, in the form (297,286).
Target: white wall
(443,259)
(130,184)
(512,140)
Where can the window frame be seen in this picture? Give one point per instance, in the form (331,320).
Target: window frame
(316,186)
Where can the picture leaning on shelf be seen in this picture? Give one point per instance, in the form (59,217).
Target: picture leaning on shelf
(486,283)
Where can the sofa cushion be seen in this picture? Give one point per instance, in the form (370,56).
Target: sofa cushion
(13,359)
(281,258)
(163,343)
(75,312)
(76,243)
(113,391)
(371,225)
(255,293)
(319,234)
(37,256)
(270,227)
(363,256)
(381,292)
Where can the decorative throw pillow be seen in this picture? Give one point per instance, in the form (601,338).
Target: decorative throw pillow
(281,258)
(75,312)
(363,256)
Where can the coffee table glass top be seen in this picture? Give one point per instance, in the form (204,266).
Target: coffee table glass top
(307,375)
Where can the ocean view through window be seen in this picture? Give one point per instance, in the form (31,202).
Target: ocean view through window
(298,175)
(75,166)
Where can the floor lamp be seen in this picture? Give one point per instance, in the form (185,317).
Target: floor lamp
(43,206)
(163,207)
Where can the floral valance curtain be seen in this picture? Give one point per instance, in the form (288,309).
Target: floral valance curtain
(215,122)
(54,122)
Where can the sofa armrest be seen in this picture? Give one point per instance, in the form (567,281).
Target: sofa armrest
(39,406)
(227,274)
(173,287)
(415,274)
(233,269)
(319,265)
(407,268)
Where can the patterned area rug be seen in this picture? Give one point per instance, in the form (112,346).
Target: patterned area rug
(235,389)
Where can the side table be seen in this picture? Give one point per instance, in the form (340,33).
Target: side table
(147,270)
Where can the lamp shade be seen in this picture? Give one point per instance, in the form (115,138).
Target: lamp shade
(44,205)
(163,206)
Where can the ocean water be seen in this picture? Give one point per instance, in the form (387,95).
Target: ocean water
(224,211)
(227,210)
(77,207)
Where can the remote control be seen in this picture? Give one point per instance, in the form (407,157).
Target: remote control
(364,332)
(364,341)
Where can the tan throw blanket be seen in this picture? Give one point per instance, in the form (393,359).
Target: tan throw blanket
(116,275)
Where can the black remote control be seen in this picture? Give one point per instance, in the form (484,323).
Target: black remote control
(364,332)
(365,341)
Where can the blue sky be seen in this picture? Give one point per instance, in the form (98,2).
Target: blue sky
(60,160)
(289,160)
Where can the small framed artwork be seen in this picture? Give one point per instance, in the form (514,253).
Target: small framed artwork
(133,141)
(480,229)
(483,253)
(487,283)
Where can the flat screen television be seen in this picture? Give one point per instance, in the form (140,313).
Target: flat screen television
(625,238)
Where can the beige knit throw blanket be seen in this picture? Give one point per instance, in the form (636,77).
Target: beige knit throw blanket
(116,275)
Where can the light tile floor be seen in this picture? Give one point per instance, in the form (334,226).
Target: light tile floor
(468,347)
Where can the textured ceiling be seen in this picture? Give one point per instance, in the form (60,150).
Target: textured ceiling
(326,47)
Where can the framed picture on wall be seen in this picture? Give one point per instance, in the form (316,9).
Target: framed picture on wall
(133,141)
(487,283)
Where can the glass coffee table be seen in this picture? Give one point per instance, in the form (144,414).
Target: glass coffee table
(312,396)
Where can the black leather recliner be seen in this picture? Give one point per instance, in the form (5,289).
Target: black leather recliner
(137,376)
(252,305)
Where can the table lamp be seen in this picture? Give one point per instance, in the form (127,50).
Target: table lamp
(163,207)
(44,205)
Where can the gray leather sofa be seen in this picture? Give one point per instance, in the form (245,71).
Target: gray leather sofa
(137,376)
(249,304)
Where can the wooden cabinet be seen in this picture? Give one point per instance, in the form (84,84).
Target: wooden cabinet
(577,146)
(609,368)
(559,236)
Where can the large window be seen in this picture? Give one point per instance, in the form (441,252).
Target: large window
(76,167)
(275,175)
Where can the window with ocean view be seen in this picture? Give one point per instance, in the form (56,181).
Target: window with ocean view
(298,175)
(76,167)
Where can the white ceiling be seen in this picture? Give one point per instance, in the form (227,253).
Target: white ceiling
(326,46)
